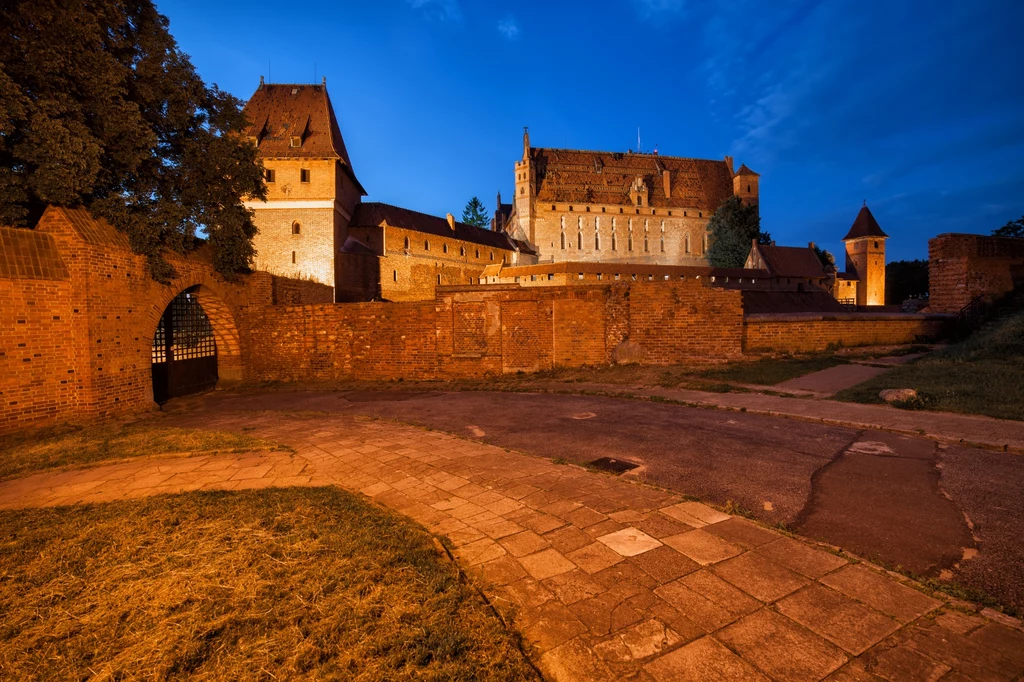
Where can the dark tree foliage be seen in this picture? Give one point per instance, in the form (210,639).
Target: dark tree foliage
(905,279)
(99,108)
(828,261)
(1014,228)
(475,214)
(730,232)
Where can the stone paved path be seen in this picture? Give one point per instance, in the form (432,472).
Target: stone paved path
(606,578)
(827,382)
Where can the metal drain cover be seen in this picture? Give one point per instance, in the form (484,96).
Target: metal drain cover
(616,466)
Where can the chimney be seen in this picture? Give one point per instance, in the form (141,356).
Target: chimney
(810,245)
(668,183)
(728,162)
(261,81)
(451,221)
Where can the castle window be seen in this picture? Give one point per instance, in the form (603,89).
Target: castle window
(295,141)
(629,245)
(394,275)
(670,213)
(602,209)
(686,243)
(638,211)
(639,202)
(579,241)
(600,276)
(293,256)
(597,242)
(439,279)
(478,253)
(304,175)
(269,175)
(650,278)
(617,277)
(614,241)
(876,245)
(633,277)
(579,276)
(563,241)
(645,243)
(444,248)
(296,228)
(620,210)
(552,207)
(492,255)
(550,276)
(653,212)
(522,190)
(700,214)
(663,245)
(588,209)
(406,243)
(462,250)
(684,214)
(426,245)
(570,209)
(705,243)
(533,278)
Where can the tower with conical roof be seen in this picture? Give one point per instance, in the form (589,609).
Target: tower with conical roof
(865,257)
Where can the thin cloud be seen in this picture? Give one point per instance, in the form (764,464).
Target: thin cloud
(441,10)
(509,28)
(659,9)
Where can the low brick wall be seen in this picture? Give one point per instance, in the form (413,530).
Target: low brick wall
(809,332)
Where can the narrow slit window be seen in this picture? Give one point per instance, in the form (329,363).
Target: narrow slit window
(304,175)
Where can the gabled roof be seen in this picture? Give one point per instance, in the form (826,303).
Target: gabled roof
(373,214)
(276,112)
(746,171)
(791,261)
(572,175)
(864,226)
(30,254)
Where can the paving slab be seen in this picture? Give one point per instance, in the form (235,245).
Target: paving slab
(830,381)
(596,595)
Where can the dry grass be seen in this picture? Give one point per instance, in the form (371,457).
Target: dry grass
(299,583)
(69,446)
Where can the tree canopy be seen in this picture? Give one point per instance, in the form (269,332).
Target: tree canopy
(825,257)
(476,214)
(100,108)
(905,279)
(1014,228)
(730,232)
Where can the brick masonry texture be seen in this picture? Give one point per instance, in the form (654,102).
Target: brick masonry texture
(78,312)
(963,266)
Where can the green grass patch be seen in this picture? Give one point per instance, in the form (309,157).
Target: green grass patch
(296,583)
(983,374)
(771,371)
(69,446)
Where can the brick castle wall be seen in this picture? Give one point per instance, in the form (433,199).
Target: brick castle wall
(963,266)
(809,332)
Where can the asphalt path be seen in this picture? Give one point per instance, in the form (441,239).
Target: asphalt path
(953,512)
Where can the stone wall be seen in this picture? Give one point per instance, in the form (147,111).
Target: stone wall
(964,266)
(810,332)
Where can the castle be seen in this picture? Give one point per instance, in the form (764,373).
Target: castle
(595,213)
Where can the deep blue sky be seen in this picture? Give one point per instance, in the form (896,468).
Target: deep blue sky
(916,106)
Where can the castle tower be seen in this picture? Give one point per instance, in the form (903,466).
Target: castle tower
(312,190)
(525,190)
(744,185)
(865,257)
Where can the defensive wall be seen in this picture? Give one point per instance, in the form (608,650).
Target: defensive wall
(962,267)
(78,312)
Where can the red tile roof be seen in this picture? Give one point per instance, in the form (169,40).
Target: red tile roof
(864,226)
(372,214)
(277,112)
(791,261)
(746,171)
(569,175)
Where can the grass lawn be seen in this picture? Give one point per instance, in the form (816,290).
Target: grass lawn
(983,374)
(771,371)
(67,446)
(296,583)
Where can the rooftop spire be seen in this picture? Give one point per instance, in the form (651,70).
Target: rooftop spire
(526,142)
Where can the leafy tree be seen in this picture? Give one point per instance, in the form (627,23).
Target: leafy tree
(1014,228)
(730,232)
(99,108)
(905,279)
(826,257)
(476,214)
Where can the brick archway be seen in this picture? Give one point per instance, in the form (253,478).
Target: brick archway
(222,323)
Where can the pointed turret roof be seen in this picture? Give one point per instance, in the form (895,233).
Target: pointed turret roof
(864,226)
(746,171)
(277,112)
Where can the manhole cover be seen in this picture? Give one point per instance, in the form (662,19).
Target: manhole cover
(616,466)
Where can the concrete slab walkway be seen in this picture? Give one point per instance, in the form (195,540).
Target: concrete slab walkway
(606,578)
(830,381)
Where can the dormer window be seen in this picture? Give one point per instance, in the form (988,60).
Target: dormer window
(295,141)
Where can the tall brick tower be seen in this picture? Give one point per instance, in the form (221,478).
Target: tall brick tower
(865,256)
(744,185)
(311,187)
(525,185)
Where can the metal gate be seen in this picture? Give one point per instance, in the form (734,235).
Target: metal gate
(184,350)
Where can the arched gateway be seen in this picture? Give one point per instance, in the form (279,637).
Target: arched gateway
(184,349)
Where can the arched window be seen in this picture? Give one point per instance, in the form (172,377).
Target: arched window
(444,248)
(561,222)
(614,241)
(296,228)
(478,253)
(629,244)
(426,245)
(406,243)
(597,241)
(645,242)
(563,240)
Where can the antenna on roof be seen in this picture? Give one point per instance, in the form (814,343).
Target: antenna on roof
(639,149)
(865,203)
(314,71)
